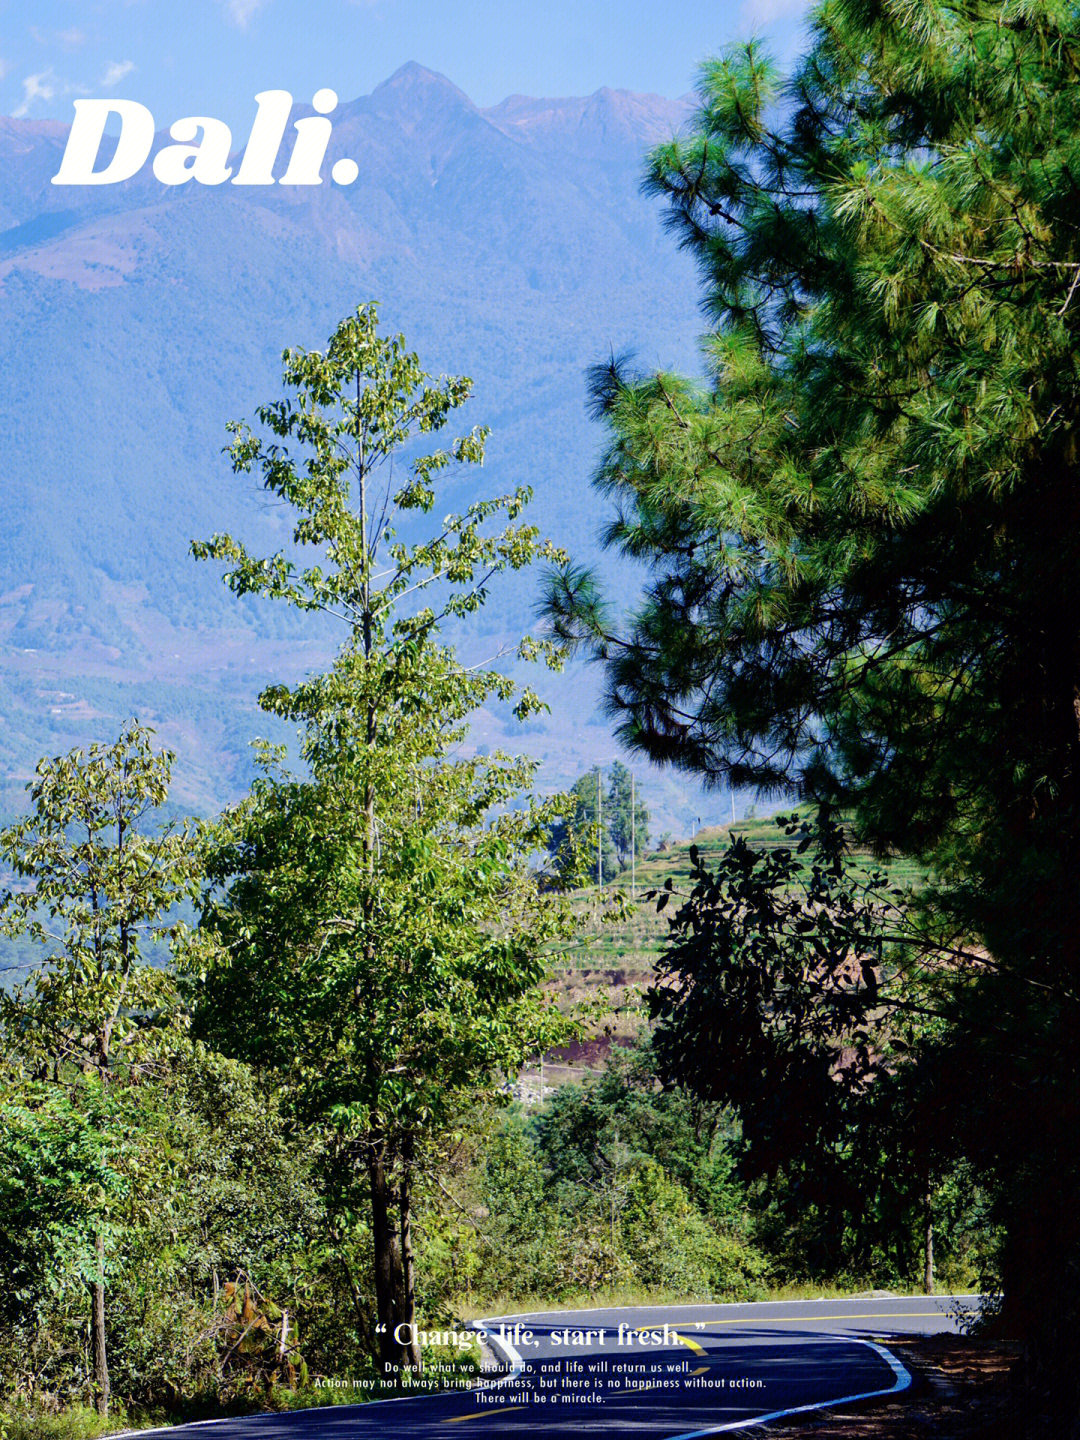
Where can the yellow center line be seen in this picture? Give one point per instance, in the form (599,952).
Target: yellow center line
(741,1320)
(480,1414)
(808,1319)
(684,1340)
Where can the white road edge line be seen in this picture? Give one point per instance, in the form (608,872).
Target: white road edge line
(734,1305)
(498,1342)
(517,1365)
(903,1380)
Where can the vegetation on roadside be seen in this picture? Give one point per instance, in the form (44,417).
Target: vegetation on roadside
(245,1177)
(857,526)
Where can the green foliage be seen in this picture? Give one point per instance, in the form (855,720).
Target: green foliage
(668,1244)
(860,525)
(55,1179)
(203,1189)
(101,886)
(573,839)
(352,411)
(382,995)
(76,1422)
(627,816)
(654,1170)
(102,881)
(613,1185)
(805,966)
(377,924)
(626,1111)
(223,1195)
(615,818)
(762,925)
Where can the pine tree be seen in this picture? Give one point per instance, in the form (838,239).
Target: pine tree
(862,525)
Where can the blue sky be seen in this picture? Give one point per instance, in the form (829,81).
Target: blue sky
(212,56)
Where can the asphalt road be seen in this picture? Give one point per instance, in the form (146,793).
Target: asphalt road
(664,1373)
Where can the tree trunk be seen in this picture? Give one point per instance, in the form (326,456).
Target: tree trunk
(393,1301)
(97,1330)
(928,1244)
(409,1273)
(360,1308)
(408,1268)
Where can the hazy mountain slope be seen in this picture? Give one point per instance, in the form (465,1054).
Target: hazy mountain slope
(508,244)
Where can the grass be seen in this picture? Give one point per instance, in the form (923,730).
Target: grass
(614,1299)
(449,1367)
(630,1298)
(75,1422)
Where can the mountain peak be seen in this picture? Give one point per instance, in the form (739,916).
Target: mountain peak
(596,124)
(413,79)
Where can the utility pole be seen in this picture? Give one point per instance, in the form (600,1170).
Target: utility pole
(599,831)
(732,794)
(633,841)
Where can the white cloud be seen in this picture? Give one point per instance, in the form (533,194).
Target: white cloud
(241,11)
(115,71)
(5,66)
(71,39)
(41,86)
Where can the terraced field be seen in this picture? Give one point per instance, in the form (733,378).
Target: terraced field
(616,957)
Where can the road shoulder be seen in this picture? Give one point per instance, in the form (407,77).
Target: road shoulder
(960,1391)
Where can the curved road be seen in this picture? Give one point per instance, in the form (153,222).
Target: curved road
(653,1373)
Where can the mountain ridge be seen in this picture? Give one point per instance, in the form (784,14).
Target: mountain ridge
(140,318)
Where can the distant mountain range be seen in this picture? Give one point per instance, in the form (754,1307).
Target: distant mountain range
(511,244)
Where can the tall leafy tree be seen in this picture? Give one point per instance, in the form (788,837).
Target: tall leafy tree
(55,1181)
(610,817)
(98,879)
(862,522)
(627,815)
(580,841)
(379,928)
(817,980)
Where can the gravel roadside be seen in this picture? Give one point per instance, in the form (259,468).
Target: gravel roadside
(960,1391)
